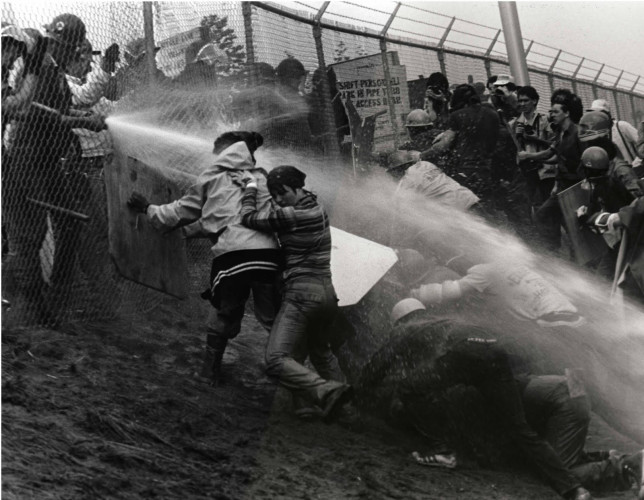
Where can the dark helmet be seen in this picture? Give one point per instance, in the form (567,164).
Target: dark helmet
(464,95)
(67,29)
(595,161)
(593,125)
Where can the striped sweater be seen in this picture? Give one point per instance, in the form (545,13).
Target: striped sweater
(303,231)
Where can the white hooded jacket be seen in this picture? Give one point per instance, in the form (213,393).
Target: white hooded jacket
(215,202)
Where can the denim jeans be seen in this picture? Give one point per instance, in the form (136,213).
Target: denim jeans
(309,307)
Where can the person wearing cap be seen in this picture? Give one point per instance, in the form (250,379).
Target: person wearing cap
(309,302)
(623,134)
(426,356)
(471,138)
(33,172)
(244,260)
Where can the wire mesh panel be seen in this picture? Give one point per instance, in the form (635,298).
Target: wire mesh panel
(459,68)
(165,109)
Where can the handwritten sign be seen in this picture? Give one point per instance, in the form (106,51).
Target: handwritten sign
(363,81)
(171,57)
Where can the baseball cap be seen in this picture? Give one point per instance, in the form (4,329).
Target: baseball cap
(503,80)
(600,105)
(67,29)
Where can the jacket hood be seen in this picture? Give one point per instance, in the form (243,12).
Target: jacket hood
(236,157)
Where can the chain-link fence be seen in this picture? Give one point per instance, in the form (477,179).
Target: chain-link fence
(187,71)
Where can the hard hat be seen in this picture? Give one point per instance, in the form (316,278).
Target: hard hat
(67,29)
(418,118)
(593,125)
(595,158)
(400,158)
(405,307)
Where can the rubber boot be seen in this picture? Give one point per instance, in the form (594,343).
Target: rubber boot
(211,369)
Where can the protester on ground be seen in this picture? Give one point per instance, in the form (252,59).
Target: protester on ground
(309,301)
(471,138)
(33,175)
(510,286)
(567,148)
(427,180)
(245,260)
(427,356)
(623,134)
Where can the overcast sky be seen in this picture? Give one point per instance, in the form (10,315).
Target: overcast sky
(610,32)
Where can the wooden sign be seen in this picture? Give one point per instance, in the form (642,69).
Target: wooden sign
(141,253)
(586,244)
(363,81)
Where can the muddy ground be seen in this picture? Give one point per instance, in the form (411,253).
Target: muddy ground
(112,410)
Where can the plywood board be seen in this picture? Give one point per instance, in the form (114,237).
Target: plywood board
(363,81)
(586,244)
(357,264)
(141,253)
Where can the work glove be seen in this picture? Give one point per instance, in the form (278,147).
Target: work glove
(432,293)
(582,211)
(111,57)
(138,202)
(33,60)
(94,122)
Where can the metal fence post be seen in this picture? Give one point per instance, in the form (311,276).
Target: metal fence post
(441,53)
(618,113)
(486,63)
(385,66)
(148,28)
(330,143)
(247,12)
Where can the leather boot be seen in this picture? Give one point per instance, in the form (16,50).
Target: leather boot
(211,369)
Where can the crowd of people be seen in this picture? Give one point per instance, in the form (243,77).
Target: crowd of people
(486,151)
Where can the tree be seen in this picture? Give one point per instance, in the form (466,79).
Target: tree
(341,52)
(214,29)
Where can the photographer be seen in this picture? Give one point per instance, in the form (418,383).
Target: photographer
(531,130)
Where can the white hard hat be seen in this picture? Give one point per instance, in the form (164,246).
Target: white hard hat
(404,307)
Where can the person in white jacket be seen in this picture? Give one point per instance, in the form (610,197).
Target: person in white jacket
(245,259)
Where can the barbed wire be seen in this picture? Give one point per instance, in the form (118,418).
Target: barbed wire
(367,8)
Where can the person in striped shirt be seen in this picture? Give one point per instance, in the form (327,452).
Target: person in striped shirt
(309,301)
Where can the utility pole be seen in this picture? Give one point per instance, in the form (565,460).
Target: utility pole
(514,42)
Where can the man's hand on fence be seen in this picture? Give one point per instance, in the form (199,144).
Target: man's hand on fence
(111,57)
(138,202)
